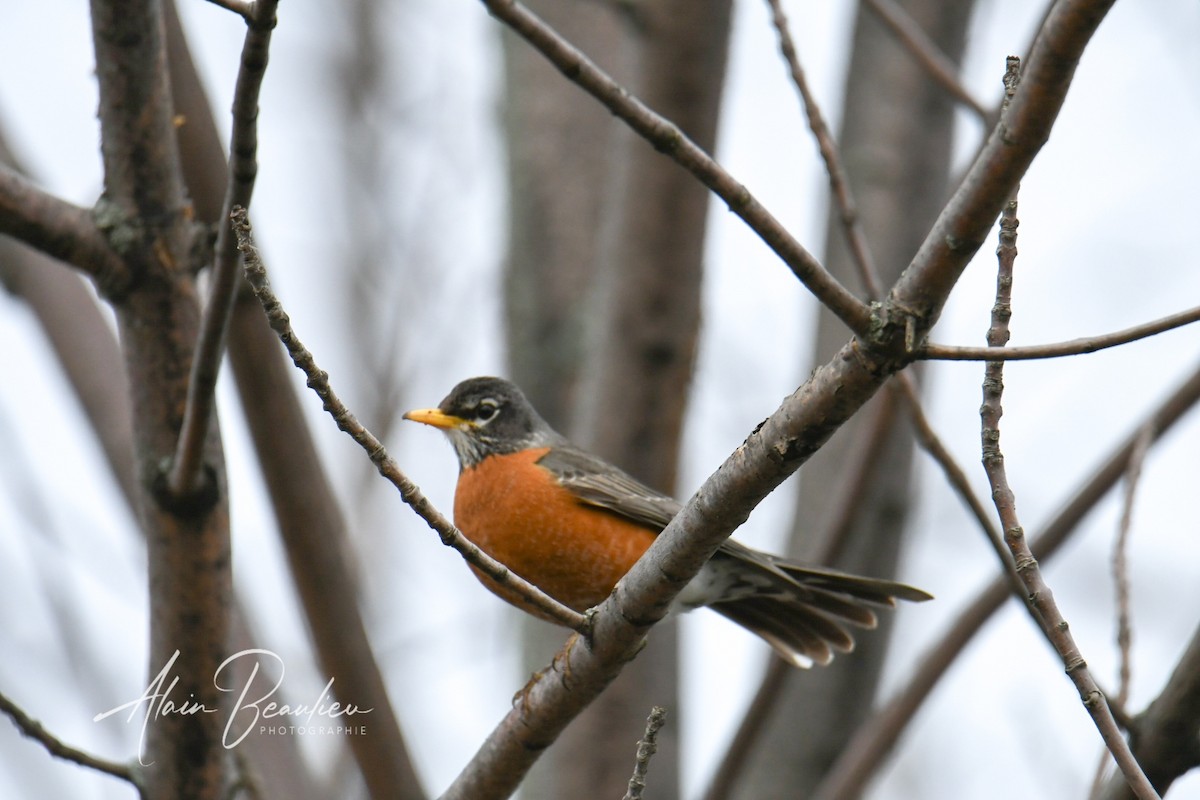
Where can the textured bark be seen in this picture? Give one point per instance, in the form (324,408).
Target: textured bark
(310,520)
(896,144)
(144,214)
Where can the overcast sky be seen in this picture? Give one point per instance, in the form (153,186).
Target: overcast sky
(1106,241)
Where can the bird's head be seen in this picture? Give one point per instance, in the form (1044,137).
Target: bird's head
(484,417)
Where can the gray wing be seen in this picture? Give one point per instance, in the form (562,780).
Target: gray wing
(800,610)
(598,483)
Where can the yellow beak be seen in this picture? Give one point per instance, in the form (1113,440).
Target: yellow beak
(434,417)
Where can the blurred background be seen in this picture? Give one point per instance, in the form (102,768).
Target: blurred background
(435,203)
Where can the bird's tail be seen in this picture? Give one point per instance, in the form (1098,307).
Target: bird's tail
(805,613)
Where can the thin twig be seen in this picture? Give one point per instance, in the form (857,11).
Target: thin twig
(318,381)
(243,168)
(775,678)
(1074,347)
(797,429)
(856,239)
(966,220)
(1163,735)
(955,475)
(1048,615)
(878,734)
(939,66)
(647,747)
(666,137)
(1120,565)
(312,527)
(1120,572)
(30,727)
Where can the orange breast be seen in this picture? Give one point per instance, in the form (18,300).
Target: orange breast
(516,512)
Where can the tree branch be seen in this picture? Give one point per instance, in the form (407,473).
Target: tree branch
(647,747)
(33,729)
(318,381)
(1120,575)
(311,523)
(82,340)
(1024,128)
(1163,736)
(59,229)
(955,475)
(145,214)
(876,737)
(799,427)
(1074,347)
(839,185)
(926,52)
(666,137)
(1048,615)
(243,169)
(1120,567)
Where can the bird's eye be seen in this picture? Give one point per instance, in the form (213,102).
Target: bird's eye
(487,410)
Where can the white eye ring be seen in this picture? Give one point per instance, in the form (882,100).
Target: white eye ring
(487,410)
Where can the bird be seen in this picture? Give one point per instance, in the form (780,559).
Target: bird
(573,524)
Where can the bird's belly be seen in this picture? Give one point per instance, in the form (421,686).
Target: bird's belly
(516,512)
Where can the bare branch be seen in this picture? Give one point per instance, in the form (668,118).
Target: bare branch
(243,169)
(647,747)
(144,211)
(839,185)
(82,340)
(310,521)
(60,229)
(878,734)
(955,475)
(1120,565)
(1163,736)
(899,20)
(1120,573)
(854,483)
(30,727)
(1048,616)
(318,381)
(774,679)
(1025,126)
(926,52)
(800,426)
(778,447)
(671,141)
(1074,347)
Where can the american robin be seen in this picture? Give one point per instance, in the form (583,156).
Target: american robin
(573,524)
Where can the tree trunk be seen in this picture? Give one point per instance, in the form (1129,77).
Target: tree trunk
(561,154)
(604,306)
